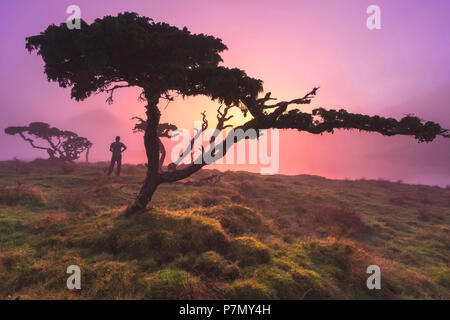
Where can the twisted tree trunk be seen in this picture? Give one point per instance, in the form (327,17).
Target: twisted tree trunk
(87,155)
(151,142)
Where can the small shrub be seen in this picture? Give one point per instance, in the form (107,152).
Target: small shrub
(8,226)
(164,235)
(76,201)
(48,220)
(213,265)
(209,202)
(248,251)
(247,290)
(111,280)
(101,191)
(48,275)
(238,219)
(278,281)
(342,221)
(309,284)
(341,259)
(172,284)
(12,259)
(14,268)
(292,283)
(443,277)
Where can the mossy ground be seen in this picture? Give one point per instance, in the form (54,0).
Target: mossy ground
(247,237)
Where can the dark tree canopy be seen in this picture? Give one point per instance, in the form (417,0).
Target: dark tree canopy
(60,144)
(129,50)
(136,51)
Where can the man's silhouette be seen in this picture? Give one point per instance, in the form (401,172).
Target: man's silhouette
(116,148)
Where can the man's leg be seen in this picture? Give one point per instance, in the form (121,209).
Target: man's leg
(111,166)
(119,164)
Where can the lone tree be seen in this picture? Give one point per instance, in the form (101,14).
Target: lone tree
(60,144)
(133,51)
(165,130)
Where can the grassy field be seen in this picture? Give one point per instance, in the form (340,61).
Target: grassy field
(246,237)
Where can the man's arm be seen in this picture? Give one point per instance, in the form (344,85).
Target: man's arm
(124,147)
(111,147)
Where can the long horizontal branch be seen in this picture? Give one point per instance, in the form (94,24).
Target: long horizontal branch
(317,122)
(322,120)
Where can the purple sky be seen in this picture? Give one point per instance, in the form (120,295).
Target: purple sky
(292,46)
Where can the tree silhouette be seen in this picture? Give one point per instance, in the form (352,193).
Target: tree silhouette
(165,130)
(61,145)
(133,51)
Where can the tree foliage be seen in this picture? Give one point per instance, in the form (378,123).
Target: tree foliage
(60,144)
(136,51)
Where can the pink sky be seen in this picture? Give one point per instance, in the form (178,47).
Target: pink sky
(292,46)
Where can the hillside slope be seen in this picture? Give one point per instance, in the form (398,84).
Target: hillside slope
(244,237)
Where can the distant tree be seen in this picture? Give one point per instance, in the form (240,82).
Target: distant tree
(165,130)
(60,144)
(133,51)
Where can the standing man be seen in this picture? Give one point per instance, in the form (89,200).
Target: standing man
(116,148)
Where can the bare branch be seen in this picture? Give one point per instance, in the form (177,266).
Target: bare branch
(222,117)
(445,133)
(306,99)
(197,134)
(257,106)
(109,100)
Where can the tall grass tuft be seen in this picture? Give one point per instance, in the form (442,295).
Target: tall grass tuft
(346,220)
(20,194)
